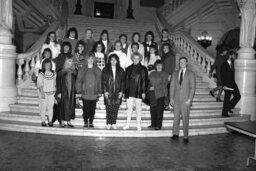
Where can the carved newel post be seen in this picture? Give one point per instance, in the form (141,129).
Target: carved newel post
(8,90)
(245,65)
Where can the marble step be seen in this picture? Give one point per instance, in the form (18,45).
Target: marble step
(122,107)
(121,121)
(100,104)
(97,132)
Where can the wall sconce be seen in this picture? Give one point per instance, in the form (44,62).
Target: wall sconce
(204,40)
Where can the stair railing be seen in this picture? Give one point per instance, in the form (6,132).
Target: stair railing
(201,59)
(26,61)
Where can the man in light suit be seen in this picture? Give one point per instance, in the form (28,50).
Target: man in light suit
(182,90)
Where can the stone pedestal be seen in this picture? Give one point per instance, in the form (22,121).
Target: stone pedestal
(245,75)
(8,89)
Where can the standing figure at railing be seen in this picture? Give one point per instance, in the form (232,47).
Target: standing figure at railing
(182,90)
(88,41)
(88,86)
(149,41)
(52,44)
(46,83)
(169,61)
(113,88)
(136,39)
(136,80)
(72,38)
(220,58)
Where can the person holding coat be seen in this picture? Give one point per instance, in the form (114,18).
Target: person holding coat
(113,88)
(182,90)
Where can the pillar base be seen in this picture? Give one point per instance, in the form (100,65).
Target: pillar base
(245,76)
(8,89)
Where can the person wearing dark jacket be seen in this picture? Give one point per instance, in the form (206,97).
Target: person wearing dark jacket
(66,81)
(229,85)
(149,41)
(113,88)
(136,79)
(169,60)
(88,86)
(65,52)
(220,58)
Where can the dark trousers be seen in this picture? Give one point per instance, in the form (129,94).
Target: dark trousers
(157,113)
(56,114)
(89,107)
(230,103)
(112,111)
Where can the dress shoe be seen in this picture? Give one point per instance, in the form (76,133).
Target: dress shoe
(185,140)
(43,124)
(108,126)
(175,137)
(212,94)
(230,111)
(157,128)
(70,125)
(225,116)
(114,126)
(63,125)
(91,125)
(86,125)
(50,124)
(150,126)
(218,100)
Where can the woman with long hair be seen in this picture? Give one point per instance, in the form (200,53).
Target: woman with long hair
(66,81)
(52,44)
(113,88)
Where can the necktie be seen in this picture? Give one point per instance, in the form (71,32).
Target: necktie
(181,76)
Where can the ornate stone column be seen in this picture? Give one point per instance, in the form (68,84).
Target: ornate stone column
(8,89)
(245,65)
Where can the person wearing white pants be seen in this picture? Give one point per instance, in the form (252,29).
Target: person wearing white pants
(46,83)
(136,78)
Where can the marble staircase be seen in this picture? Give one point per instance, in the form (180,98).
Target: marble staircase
(205,117)
(114,26)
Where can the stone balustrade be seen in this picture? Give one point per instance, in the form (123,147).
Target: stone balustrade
(197,54)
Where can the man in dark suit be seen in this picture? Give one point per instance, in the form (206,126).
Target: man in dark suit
(222,51)
(183,86)
(229,84)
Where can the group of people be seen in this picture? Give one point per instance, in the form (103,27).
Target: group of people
(225,76)
(88,69)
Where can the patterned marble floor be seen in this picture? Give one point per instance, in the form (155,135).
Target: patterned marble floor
(37,152)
